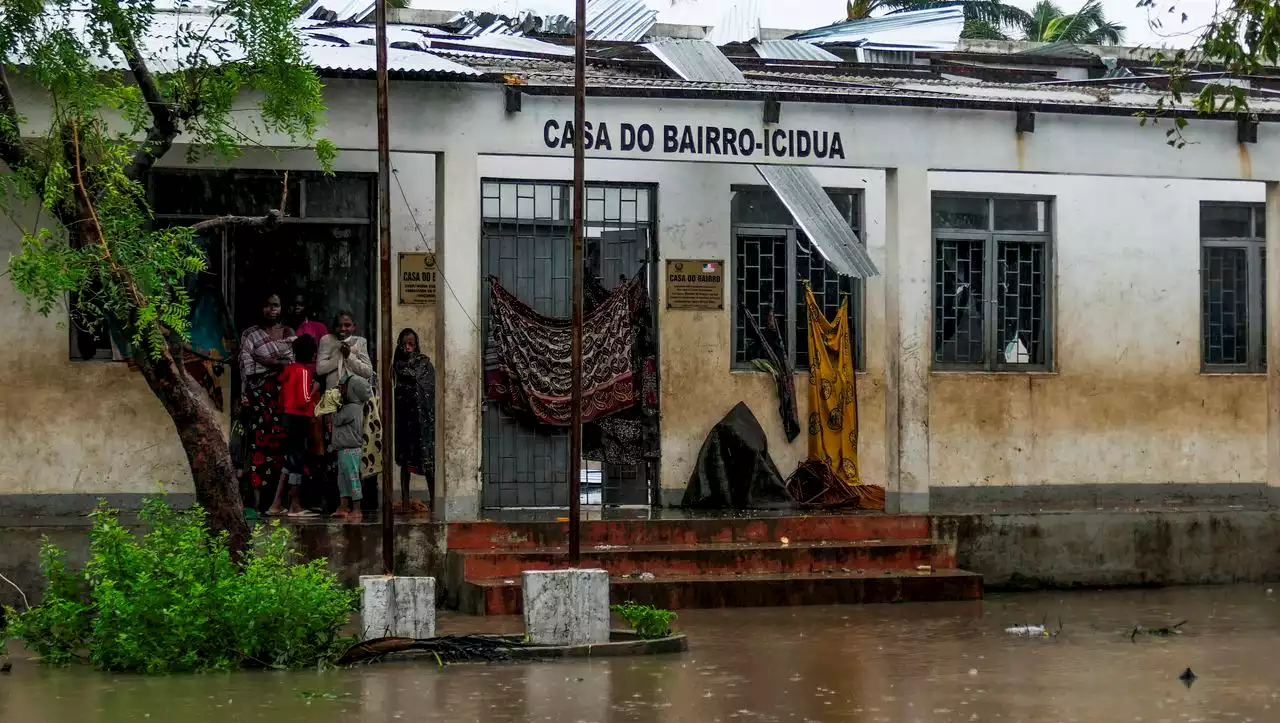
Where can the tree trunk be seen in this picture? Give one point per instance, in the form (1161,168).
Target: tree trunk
(200,430)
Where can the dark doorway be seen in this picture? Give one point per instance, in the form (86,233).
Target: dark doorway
(322,248)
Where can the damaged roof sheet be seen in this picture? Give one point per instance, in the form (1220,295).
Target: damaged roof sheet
(625,21)
(793,50)
(812,209)
(740,24)
(696,60)
(931,29)
(361,58)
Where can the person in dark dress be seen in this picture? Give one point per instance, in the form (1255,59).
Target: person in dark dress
(415,414)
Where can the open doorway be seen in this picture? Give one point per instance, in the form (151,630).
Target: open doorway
(322,250)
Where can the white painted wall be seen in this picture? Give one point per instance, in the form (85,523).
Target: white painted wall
(1126,402)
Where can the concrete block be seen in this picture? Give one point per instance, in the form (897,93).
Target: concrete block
(566,607)
(402,607)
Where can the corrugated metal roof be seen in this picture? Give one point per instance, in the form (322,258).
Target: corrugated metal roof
(821,221)
(361,58)
(517,44)
(740,23)
(696,60)
(626,21)
(619,20)
(158,47)
(932,29)
(340,10)
(1060,49)
(366,34)
(793,50)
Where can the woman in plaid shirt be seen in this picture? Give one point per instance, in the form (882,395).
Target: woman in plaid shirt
(266,348)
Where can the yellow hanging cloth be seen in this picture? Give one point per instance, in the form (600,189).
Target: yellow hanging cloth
(833,400)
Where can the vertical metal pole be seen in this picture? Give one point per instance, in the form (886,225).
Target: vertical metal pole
(579,201)
(384,294)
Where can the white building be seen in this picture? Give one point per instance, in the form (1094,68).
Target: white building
(1063,314)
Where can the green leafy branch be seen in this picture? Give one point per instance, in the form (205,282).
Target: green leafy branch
(88,168)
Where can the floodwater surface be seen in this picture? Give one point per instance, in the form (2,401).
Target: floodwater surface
(914,663)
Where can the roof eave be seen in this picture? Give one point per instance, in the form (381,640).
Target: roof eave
(904,100)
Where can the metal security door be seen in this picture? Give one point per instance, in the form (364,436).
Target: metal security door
(526,243)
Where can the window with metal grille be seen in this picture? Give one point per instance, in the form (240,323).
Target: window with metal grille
(991,291)
(1233,287)
(772,260)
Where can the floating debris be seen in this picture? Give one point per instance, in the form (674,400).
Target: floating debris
(1187,677)
(1032,630)
(1163,632)
(1035,631)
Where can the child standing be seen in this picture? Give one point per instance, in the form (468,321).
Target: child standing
(348,442)
(299,392)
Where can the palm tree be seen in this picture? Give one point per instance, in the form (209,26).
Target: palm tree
(982,18)
(993,20)
(1087,26)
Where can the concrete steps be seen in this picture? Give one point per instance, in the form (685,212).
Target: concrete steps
(490,535)
(708,562)
(504,596)
(714,558)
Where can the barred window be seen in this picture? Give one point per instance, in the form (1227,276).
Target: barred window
(1233,278)
(991,283)
(772,261)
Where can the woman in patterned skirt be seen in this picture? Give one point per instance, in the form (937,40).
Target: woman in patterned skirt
(265,349)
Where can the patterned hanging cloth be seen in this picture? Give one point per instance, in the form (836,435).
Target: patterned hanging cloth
(833,407)
(527,358)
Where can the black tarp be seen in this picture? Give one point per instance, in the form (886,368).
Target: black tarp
(734,470)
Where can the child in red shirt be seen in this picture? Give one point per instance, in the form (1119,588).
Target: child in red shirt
(299,392)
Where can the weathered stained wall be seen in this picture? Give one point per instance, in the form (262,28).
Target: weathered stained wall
(1111,549)
(74,427)
(698,385)
(84,429)
(1126,402)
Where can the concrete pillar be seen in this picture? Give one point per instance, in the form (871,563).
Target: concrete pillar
(398,607)
(459,348)
(1273,339)
(908,306)
(566,607)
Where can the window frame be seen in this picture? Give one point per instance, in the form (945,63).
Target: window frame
(1254,246)
(792,231)
(992,239)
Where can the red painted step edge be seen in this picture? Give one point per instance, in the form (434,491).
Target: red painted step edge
(698,560)
(488,535)
(492,597)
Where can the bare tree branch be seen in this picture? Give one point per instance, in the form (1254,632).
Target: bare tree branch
(12,151)
(264,223)
(164,127)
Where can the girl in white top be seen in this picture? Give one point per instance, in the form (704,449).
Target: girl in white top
(343,352)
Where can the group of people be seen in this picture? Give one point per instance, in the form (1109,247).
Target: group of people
(309,418)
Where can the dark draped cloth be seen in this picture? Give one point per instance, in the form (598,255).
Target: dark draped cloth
(528,365)
(415,410)
(734,469)
(784,376)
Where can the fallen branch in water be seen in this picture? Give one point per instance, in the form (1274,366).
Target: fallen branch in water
(1164,632)
(446,649)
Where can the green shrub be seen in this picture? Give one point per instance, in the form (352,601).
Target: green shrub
(649,622)
(175,601)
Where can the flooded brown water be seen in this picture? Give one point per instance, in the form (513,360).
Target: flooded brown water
(871,664)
